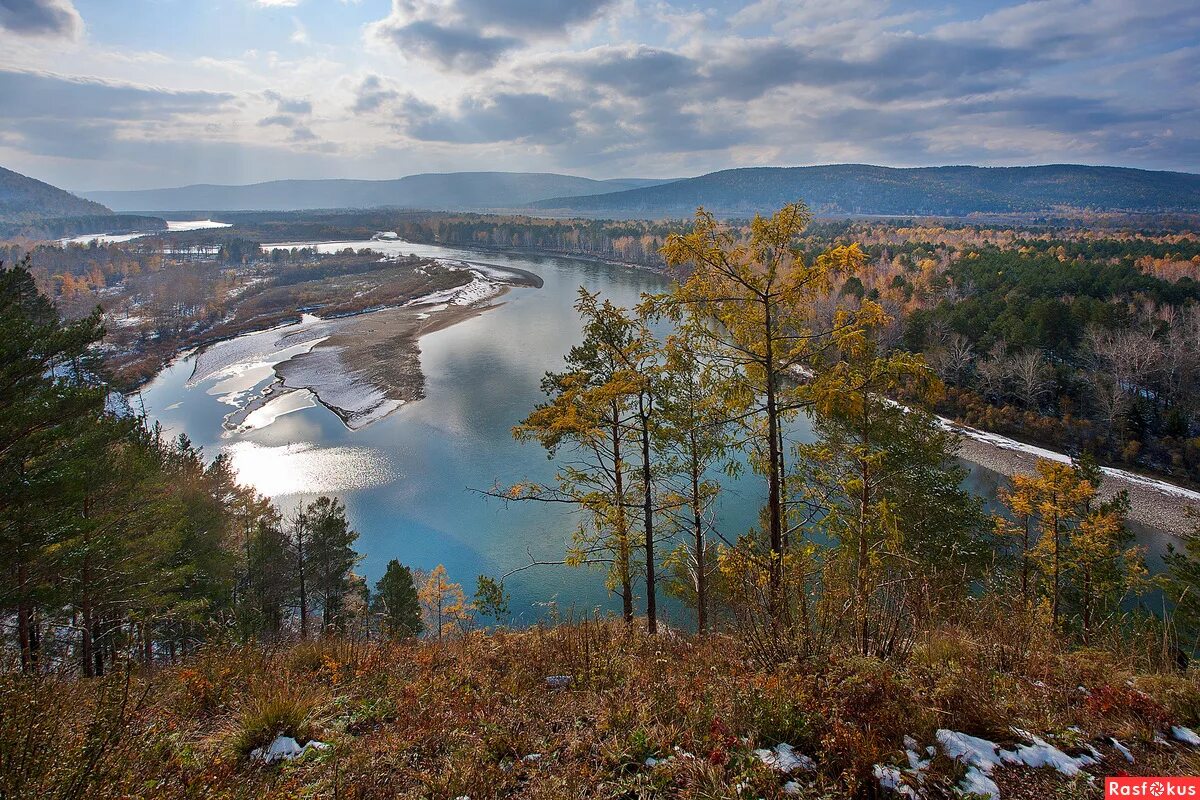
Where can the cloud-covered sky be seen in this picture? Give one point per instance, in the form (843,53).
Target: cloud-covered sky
(111,94)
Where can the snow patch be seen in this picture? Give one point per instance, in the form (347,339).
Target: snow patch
(284,748)
(1185,735)
(784,758)
(981,757)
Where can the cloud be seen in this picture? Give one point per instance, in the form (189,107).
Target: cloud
(288,105)
(518,16)
(502,117)
(649,87)
(474,35)
(299,32)
(371,95)
(452,47)
(39,94)
(55,18)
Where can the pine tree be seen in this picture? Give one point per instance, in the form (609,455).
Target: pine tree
(1181,584)
(47,392)
(331,557)
(397,603)
(884,488)
(693,439)
(491,599)
(271,584)
(1083,557)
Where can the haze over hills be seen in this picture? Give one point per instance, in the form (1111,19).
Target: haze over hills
(25,199)
(433,191)
(870,190)
(837,189)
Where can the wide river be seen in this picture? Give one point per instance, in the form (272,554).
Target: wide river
(411,481)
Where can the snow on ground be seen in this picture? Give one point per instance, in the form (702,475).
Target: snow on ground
(102,238)
(476,291)
(981,757)
(324,372)
(1005,443)
(227,358)
(124,320)
(1185,735)
(172,225)
(284,748)
(195,225)
(276,406)
(784,758)
(1123,750)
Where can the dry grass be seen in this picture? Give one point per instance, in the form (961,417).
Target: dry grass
(475,717)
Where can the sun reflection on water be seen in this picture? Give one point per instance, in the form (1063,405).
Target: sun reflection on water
(305,468)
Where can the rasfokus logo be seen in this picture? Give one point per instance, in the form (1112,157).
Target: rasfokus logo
(1151,787)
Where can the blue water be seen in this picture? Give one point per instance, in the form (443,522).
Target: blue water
(408,480)
(412,482)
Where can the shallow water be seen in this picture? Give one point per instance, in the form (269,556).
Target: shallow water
(412,481)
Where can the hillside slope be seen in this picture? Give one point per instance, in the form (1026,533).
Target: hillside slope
(25,199)
(598,711)
(865,189)
(433,191)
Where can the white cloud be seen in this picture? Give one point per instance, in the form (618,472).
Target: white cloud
(299,32)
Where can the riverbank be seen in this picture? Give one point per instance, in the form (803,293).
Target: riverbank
(364,365)
(370,364)
(1153,502)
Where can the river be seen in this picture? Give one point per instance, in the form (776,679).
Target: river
(411,481)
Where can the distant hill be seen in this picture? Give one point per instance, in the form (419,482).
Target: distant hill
(24,200)
(940,191)
(447,191)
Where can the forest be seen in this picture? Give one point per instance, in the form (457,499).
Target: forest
(181,628)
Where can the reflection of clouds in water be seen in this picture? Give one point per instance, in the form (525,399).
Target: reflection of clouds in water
(305,468)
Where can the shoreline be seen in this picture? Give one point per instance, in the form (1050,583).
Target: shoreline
(371,366)
(1153,502)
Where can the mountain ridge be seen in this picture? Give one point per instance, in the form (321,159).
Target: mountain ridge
(24,199)
(873,190)
(432,191)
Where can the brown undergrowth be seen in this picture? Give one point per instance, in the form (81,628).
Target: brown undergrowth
(640,716)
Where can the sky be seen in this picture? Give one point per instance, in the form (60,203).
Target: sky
(127,94)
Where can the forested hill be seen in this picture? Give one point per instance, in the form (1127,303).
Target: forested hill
(444,191)
(24,199)
(940,191)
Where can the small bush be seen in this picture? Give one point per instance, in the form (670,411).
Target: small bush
(279,707)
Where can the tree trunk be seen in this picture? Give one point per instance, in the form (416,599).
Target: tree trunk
(24,616)
(648,512)
(864,508)
(623,555)
(1054,600)
(303,586)
(698,532)
(774,496)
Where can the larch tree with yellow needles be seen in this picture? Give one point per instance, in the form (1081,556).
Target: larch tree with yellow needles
(751,299)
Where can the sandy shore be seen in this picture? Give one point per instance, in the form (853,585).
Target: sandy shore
(1153,502)
(370,365)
